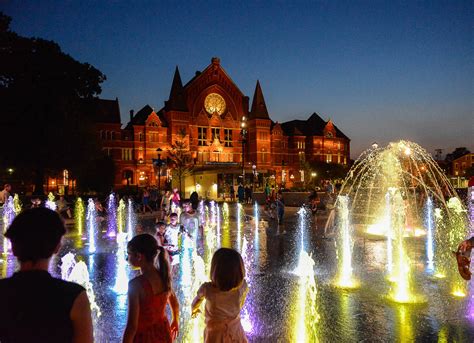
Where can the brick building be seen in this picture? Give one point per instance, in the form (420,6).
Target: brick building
(209,113)
(459,167)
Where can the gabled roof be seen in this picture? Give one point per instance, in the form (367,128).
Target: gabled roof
(259,108)
(314,126)
(141,117)
(176,101)
(102,110)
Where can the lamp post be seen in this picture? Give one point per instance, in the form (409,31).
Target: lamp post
(254,172)
(243,134)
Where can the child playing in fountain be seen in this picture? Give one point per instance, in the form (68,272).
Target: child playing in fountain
(37,307)
(225,297)
(173,231)
(149,293)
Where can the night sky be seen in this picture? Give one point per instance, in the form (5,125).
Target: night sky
(381,70)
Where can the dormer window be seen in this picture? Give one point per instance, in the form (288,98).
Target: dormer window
(153,124)
(329,134)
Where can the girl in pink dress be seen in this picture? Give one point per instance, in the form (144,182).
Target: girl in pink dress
(149,293)
(225,297)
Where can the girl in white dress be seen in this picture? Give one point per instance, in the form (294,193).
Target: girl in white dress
(225,297)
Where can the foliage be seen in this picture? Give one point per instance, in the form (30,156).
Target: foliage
(180,158)
(469,172)
(97,176)
(41,91)
(323,170)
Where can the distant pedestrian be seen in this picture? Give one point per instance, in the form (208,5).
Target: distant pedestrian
(241,193)
(146,200)
(280,203)
(194,199)
(232,193)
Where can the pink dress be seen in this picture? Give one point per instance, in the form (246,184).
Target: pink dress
(222,313)
(153,324)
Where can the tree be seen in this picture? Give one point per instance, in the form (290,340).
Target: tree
(325,170)
(41,92)
(181,158)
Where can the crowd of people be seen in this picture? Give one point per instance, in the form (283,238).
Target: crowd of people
(59,311)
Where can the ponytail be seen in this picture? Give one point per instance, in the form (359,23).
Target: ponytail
(164,268)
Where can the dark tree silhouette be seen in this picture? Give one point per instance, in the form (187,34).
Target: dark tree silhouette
(180,158)
(41,91)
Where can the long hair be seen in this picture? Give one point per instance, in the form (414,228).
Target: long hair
(144,244)
(227,269)
(164,268)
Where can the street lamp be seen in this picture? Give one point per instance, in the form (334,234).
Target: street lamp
(243,134)
(254,171)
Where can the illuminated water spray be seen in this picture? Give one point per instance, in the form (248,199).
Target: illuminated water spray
(239,223)
(91,218)
(17,205)
(130,219)
(77,272)
(111,217)
(218,225)
(121,214)
(345,278)
(51,203)
(429,223)
(8,216)
(304,314)
(121,278)
(256,242)
(79,216)
(226,243)
(245,313)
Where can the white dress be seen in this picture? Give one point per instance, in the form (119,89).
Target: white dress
(222,313)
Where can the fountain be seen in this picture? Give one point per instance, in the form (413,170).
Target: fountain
(91,224)
(51,203)
(9,214)
(17,205)
(131,219)
(111,217)
(394,193)
(79,216)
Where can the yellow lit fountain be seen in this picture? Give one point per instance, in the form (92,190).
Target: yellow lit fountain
(399,194)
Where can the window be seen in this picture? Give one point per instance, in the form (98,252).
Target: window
(153,137)
(263,136)
(301,156)
(141,137)
(300,145)
(227,137)
(106,151)
(202,136)
(112,136)
(127,154)
(216,133)
(153,124)
(329,135)
(102,134)
(328,158)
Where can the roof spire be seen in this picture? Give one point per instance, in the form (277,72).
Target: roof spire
(259,108)
(176,101)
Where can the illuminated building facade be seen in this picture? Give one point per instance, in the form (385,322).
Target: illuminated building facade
(212,116)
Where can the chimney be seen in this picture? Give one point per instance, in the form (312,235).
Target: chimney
(131,115)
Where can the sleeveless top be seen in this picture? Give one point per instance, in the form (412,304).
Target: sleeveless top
(153,324)
(35,307)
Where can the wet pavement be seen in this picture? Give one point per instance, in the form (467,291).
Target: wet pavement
(273,308)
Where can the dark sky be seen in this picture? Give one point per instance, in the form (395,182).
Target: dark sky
(381,70)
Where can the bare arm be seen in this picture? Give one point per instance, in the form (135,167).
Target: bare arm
(198,300)
(81,319)
(173,302)
(133,310)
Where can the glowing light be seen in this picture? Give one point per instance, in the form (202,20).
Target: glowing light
(111,217)
(50,203)
(345,278)
(130,219)
(17,206)
(458,293)
(77,272)
(79,216)
(121,217)
(91,224)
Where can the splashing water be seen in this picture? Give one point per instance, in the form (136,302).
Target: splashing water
(345,278)
(111,217)
(17,205)
(225,227)
(429,223)
(8,216)
(50,203)
(218,225)
(77,272)
(131,219)
(121,280)
(406,174)
(79,216)
(240,214)
(121,217)
(91,218)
